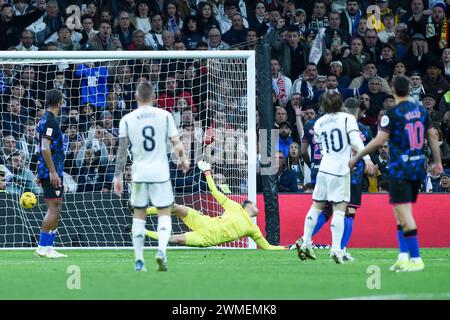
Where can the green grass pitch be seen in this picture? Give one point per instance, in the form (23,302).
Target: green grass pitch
(221,274)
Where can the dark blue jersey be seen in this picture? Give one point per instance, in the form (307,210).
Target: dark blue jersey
(406,124)
(48,128)
(366,137)
(316,156)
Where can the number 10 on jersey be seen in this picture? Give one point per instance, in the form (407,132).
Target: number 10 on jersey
(336,140)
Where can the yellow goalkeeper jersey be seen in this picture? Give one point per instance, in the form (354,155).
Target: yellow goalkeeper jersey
(235,222)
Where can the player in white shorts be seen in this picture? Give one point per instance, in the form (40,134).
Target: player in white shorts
(336,133)
(148,130)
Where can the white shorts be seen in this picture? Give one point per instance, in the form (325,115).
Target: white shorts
(332,188)
(157,194)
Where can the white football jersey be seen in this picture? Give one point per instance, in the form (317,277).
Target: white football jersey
(148,130)
(332,133)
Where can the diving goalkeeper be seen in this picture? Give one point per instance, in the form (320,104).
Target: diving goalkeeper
(209,231)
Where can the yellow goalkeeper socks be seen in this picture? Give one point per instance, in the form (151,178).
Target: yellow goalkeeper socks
(152,210)
(151,234)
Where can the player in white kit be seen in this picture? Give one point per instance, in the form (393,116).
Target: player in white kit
(336,133)
(148,130)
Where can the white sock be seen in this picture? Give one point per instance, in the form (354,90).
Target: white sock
(310,224)
(337,230)
(138,234)
(164,232)
(402,256)
(418,259)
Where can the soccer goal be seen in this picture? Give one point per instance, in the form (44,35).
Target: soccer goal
(211,95)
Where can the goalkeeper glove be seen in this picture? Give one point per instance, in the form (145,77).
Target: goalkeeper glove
(204,166)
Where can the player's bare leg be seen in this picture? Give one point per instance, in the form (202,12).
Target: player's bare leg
(403,213)
(48,230)
(337,230)
(180,211)
(304,244)
(164,233)
(138,236)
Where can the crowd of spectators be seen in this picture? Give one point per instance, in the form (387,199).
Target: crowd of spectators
(363,49)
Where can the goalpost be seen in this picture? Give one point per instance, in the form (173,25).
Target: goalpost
(211,95)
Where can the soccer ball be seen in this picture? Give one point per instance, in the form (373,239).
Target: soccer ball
(28,200)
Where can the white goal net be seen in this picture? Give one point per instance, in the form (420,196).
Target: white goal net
(210,94)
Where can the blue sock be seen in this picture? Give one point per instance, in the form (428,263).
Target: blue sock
(52,238)
(321,220)
(44,238)
(348,228)
(402,244)
(413,244)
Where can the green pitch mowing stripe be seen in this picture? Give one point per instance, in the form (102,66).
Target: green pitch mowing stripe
(221,274)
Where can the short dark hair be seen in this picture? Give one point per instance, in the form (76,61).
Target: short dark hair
(370,62)
(356,38)
(201,44)
(62,27)
(86,16)
(401,86)
(176,41)
(309,106)
(154,15)
(331,102)
(105,21)
(53,97)
(6,5)
(389,96)
(293,29)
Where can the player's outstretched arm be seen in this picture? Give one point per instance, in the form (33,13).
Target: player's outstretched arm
(206,169)
(262,242)
(379,140)
(434,145)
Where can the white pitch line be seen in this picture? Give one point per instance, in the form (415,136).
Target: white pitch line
(401,296)
(424,259)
